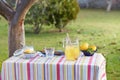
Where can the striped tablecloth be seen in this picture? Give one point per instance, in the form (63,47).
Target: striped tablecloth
(56,68)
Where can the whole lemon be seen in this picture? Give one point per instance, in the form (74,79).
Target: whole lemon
(84,46)
(93,47)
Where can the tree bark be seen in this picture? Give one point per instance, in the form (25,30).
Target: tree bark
(15,19)
(109,2)
(5,9)
(16,37)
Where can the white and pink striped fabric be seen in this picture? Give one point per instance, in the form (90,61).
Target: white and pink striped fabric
(56,68)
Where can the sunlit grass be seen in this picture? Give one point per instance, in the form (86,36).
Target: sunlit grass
(93,26)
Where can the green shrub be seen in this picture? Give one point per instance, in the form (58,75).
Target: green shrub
(57,12)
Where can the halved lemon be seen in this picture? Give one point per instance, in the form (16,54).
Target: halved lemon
(28,51)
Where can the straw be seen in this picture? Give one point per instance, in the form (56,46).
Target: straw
(68,38)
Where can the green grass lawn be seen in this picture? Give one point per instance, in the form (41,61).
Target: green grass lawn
(93,26)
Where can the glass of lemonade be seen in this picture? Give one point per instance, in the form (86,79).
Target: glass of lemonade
(72,50)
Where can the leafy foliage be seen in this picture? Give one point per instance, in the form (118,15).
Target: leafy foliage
(57,12)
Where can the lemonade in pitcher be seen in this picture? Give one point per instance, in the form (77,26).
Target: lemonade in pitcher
(72,50)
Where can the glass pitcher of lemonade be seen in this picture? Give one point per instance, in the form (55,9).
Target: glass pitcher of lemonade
(72,50)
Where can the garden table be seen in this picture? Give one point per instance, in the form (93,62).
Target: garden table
(56,68)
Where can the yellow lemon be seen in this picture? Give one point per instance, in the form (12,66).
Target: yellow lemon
(84,46)
(93,47)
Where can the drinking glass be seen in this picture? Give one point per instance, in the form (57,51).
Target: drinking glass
(49,52)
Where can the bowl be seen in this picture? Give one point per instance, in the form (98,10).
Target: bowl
(27,56)
(29,53)
(87,53)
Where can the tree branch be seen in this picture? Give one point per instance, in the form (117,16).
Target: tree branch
(22,8)
(6,11)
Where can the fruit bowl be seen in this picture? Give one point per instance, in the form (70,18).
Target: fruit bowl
(87,53)
(88,50)
(27,56)
(29,53)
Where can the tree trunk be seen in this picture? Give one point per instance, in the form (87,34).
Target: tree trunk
(15,18)
(109,2)
(60,30)
(37,28)
(16,37)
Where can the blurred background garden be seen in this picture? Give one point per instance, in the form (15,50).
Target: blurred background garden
(96,23)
